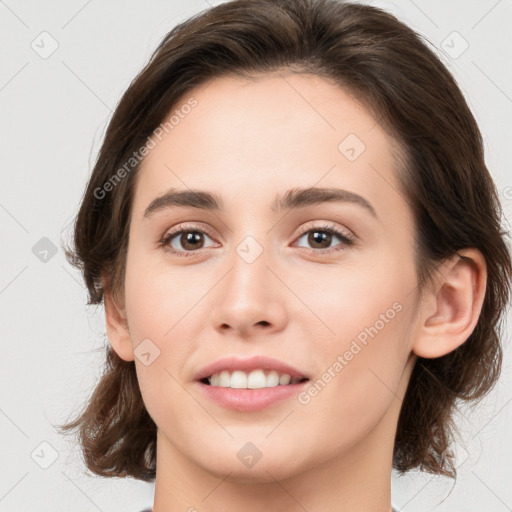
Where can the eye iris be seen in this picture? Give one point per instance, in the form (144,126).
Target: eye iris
(189,237)
(319,237)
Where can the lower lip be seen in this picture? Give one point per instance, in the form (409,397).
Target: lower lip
(250,399)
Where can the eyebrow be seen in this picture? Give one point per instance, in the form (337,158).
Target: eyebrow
(292,199)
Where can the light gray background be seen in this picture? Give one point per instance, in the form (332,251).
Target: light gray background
(54,113)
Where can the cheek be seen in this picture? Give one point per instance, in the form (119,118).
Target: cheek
(354,299)
(361,373)
(368,314)
(157,296)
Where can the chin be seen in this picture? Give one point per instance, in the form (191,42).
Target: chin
(264,471)
(247,459)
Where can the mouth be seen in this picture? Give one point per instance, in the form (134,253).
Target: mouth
(250,392)
(255,379)
(250,384)
(250,373)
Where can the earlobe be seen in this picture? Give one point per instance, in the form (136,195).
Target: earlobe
(118,332)
(451,310)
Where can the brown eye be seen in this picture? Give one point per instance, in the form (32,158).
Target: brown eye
(191,240)
(184,241)
(317,238)
(321,238)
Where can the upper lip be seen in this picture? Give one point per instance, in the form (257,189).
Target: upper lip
(253,363)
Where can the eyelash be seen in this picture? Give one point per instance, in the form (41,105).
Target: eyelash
(346,239)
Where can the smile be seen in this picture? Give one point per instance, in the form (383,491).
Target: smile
(256,379)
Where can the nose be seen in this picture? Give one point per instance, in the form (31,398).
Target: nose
(249,300)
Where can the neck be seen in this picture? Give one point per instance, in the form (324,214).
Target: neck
(357,480)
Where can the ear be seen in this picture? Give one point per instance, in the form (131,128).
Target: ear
(450,311)
(118,332)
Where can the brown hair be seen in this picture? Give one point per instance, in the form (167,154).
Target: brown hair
(387,67)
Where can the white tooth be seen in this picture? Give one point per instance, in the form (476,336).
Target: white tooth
(272,379)
(256,380)
(224,379)
(239,379)
(284,379)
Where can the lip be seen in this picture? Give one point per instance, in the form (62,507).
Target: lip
(253,363)
(250,400)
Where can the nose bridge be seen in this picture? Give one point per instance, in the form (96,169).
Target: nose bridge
(250,248)
(249,274)
(247,295)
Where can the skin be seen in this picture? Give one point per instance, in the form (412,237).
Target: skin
(246,141)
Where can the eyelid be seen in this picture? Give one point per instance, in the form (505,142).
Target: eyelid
(189,226)
(345,235)
(348,239)
(325,225)
(184,226)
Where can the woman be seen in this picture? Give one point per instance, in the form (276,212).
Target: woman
(298,246)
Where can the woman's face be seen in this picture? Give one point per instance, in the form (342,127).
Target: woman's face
(250,279)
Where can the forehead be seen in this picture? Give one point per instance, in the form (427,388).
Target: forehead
(243,137)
